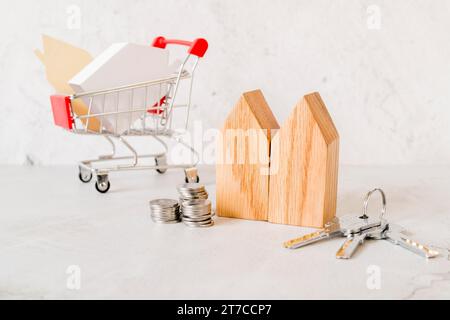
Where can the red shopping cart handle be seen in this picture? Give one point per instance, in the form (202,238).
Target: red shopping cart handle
(198,47)
(61,106)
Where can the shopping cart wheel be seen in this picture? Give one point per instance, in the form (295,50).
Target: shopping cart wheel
(102,184)
(191,175)
(190,181)
(85,176)
(161,161)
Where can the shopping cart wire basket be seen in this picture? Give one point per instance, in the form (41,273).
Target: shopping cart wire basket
(155,120)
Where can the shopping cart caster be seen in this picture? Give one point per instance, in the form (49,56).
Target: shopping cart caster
(194,181)
(161,161)
(85,176)
(191,175)
(102,184)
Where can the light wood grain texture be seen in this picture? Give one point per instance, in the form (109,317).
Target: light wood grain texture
(304,167)
(62,62)
(242,173)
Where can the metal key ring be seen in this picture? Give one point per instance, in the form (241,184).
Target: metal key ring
(366,202)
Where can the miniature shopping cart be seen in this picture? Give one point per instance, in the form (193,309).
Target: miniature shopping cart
(155,120)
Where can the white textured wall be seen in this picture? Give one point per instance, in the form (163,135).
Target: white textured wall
(388,88)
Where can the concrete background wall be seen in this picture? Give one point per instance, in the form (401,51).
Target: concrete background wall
(382,67)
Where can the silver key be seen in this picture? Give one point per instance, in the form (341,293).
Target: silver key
(331,230)
(350,245)
(366,222)
(350,226)
(353,242)
(358,229)
(346,226)
(400,239)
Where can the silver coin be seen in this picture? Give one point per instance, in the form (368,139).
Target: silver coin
(194,197)
(197,218)
(195,225)
(198,222)
(195,207)
(153,214)
(159,211)
(196,214)
(154,209)
(191,186)
(167,222)
(165,211)
(202,219)
(164,203)
(196,203)
(166,217)
(191,191)
(162,213)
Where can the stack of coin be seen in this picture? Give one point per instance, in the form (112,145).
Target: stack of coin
(165,211)
(192,191)
(197,213)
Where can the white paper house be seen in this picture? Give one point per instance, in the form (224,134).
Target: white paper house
(124,64)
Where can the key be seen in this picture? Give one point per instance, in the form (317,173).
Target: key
(394,234)
(444,252)
(352,224)
(400,239)
(359,228)
(331,230)
(354,241)
(350,245)
(348,225)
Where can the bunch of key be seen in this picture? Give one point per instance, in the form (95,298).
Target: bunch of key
(359,228)
(165,211)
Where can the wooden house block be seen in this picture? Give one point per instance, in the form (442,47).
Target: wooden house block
(304,167)
(242,173)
